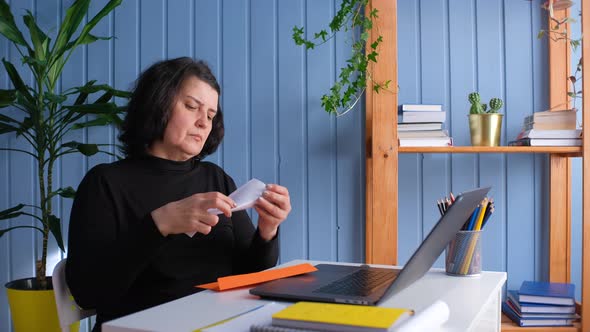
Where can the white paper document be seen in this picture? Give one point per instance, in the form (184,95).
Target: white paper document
(245,197)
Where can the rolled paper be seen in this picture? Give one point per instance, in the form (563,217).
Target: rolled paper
(429,319)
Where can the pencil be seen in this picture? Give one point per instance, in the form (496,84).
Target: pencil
(488,214)
(467,262)
(439,206)
(472,221)
(484,205)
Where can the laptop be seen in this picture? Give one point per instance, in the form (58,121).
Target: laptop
(366,285)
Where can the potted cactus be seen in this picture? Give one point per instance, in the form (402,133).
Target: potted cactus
(485,121)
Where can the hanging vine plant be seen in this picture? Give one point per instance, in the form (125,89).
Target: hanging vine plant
(559,30)
(352,80)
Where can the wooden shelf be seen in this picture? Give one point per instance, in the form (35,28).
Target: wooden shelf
(573,151)
(508,326)
(381,228)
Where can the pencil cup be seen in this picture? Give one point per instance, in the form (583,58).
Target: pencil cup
(463,254)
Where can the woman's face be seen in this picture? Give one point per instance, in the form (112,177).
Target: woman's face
(191,119)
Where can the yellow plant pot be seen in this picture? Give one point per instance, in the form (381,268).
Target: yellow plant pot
(485,129)
(32,309)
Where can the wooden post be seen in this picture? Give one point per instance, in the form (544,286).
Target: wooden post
(585,311)
(381,140)
(560,166)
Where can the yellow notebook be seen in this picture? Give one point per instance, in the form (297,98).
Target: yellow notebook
(339,317)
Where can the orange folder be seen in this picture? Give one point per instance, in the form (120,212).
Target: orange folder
(247,279)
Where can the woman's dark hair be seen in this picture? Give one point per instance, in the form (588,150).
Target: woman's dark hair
(151,102)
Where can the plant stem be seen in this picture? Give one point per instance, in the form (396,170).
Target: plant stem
(39,133)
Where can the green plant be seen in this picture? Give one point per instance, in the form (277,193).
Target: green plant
(45,115)
(352,80)
(478,108)
(558,30)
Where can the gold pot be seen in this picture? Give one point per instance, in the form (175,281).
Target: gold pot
(485,129)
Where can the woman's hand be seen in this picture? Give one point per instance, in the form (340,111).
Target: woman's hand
(190,214)
(273,207)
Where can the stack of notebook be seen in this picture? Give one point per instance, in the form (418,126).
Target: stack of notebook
(539,303)
(422,125)
(550,128)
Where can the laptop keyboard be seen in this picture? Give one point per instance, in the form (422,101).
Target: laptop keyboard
(359,283)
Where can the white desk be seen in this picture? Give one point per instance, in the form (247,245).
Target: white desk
(474,303)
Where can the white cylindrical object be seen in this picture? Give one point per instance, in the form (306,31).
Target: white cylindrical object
(429,319)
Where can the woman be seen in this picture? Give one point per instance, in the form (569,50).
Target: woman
(128,250)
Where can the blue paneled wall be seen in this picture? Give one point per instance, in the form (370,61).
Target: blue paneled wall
(277,131)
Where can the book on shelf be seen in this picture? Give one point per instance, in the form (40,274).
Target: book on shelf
(559,133)
(419,126)
(547,142)
(565,119)
(550,126)
(423,116)
(536,321)
(421,107)
(422,133)
(513,306)
(536,308)
(426,141)
(547,292)
(340,317)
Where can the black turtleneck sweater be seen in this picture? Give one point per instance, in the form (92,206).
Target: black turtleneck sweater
(118,261)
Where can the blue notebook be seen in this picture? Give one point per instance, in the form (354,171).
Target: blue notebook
(507,310)
(546,293)
(539,308)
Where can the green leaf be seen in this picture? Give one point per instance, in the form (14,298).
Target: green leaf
(67,192)
(105,98)
(91,88)
(55,229)
(88,39)
(25,125)
(83,94)
(33,62)
(6,230)
(38,37)
(365,36)
(11,210)
(88,149)
(85,149)
(6,128)
(10,215)
(7,97)
(121,93)
(84,37)
(373,13)
(100,120)
(8,27)
(17,81)
(7,119)
(373,56)
(53,98)
(74,16)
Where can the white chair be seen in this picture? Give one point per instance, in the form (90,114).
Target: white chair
(67,309)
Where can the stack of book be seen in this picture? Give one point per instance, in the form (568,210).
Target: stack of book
(539,303)
(422,125)
(550,128)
